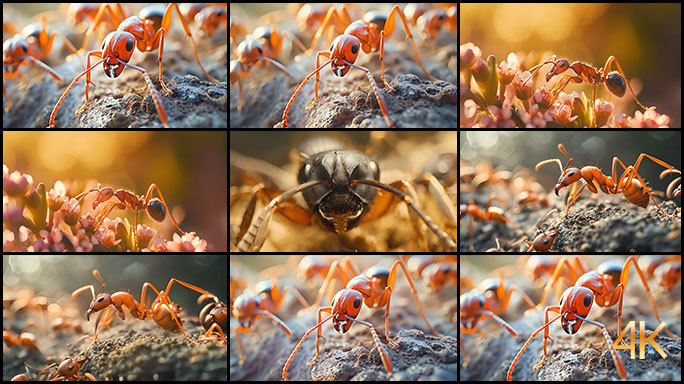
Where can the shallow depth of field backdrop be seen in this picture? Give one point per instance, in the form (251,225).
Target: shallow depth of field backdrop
(646,39)
(189,168)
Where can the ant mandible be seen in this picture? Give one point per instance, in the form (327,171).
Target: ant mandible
(605,287)
(369,35)
(616,82)
(630,183)
(375,290)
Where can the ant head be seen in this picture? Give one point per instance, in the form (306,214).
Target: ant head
(249,51)
(244,307)
(435,275)
(344,48)
(471,303)
(118,45)
(559,66)
(340,203)
(346,304)
(616,84)
(575,301)
(70,367)
(544,241)
(568,177)
(101,302)
(12,50)
(156,209)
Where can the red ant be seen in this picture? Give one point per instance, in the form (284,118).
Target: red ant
(668,274)
(214,318)
(541,243)
(165,313)
(492,300)
(369,35)
(493,214)
(23,339)
(250,52)
(36,46)
(616,82)
(67,370)
(118,48)
(156,208)
(630,183)
(375,290)
(606,287)
(246,309)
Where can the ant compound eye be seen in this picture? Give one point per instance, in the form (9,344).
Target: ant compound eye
(587,300)
(481,302)
(129,44)
(571,173)
(331,46)
(678,268)
(24,46)
(261,51)
(546,241)
(100,299)
(355,48)
(357,302)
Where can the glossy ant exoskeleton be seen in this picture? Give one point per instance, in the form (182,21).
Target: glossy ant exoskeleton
(605,287)
(341,188)
(629,183)
(616,82)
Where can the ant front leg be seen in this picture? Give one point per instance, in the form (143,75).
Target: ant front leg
(318,57)
(155,96)
(381,102)
(317,326)
(289,103)
(619,364)
(61,99)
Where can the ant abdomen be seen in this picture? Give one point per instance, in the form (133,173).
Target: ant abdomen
(156,210)
(616,84)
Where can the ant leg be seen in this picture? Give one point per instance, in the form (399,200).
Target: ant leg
(606,68)
(318,336)
(152,187)
(448,243)
(382,62)
(332,13)
(389,28)
(43,66)
(535,333)
(623,279)
(318,57)
(296,294)
(390,283)
(166,25)
(567,209)
(564,262)
(155,96)
(381,102)
(256,235)
(317,326)
(61,99)
(289,103)
(158,39)
(466,358)
(116,18)
(209,331)
(643,183)
(241,350)
(276,321)
(381,350)
(334,267)
(619,364)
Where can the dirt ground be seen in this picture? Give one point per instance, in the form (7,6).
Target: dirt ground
(126,101)
(128,350)
(583,356)
(349,101)
(606,223)
(353,355)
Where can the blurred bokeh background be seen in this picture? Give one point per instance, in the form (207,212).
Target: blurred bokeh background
(513,150)
(56,276)
(646,38)
(189,168)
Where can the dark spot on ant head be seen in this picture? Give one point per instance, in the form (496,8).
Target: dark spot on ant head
(129,44)
(571,173)
(220,12)
(103,45)
(24,46)
(357,302)
(442,16)
(587,300)
(546,241)
(355,48)
(678,267)
(261,51)
(480,300)
(331,46)
(100,299)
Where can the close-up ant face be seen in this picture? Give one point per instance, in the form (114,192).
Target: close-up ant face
(568,177)
(117,46)
(243,307)
(471,303)
(344,49)
(101,302)
(346,304)
(575,301)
